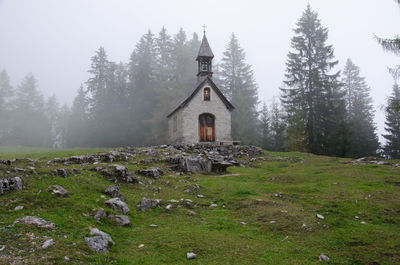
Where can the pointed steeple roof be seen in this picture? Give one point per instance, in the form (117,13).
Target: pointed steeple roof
(205,50)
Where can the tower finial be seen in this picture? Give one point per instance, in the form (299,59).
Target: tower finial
(204,29)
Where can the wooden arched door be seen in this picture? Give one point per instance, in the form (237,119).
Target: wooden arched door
(206,127)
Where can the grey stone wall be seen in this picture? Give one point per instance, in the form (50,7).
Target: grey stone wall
(175,136)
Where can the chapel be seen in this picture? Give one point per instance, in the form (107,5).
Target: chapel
(205,115)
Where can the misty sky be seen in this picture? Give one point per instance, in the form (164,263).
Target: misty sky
(55,39)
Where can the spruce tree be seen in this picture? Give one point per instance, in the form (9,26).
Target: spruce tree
(265,130)
(238,85)
(392,125)
(277,128)
(360,113)
(6,93)
(78,126)
(312,97)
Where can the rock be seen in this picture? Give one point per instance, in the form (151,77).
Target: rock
(200,196)
(213,205)
(243,223)
(10,184)
(151,173)
(187,191)
(272,222)
(190,212)
(117,205)
(66,258)
(18,208)
(169,206)
(114,192)
(191,255)
(319,216)
(363,222)
(122,173)
(96,232)
(59,191)
(61,172)
(19,170)
(99,214)
(34,220)
(323,257)
(153,225)
(97,243)
(195,164)
(141,245)
(2,248)
(47,243)
(147,204)
(122,220)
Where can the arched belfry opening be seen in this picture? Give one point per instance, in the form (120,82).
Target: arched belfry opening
(206,127)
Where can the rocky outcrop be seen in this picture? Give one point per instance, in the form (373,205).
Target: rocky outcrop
(34,220)
(58,191)
(117,205)
(10,184)
(147,204)
(151,173)
(114,192)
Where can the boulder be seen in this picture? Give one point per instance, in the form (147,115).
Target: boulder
(100,213)
(97,243)
(122,220)
(117,205)
(96,232)
(195,164)
(59,191)
(9,184)
(122,173)
(34,220)
(151,173)
(147,204)
(47,243)
(61,172)
(114,192)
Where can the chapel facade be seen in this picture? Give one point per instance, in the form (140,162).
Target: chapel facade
(204,116)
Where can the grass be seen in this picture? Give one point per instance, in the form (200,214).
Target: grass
(288,191)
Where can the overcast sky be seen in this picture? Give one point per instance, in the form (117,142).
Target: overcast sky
(55,39)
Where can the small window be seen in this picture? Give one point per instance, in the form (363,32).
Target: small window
(175,123)
(207,94)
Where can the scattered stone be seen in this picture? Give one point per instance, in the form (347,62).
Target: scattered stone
(141,245)
(191,255)
(191,212)
(99,214)
(272,222)
(61,172)
(114,192)
(323,257)
(147,204)
(286,237)
(59,191)
(194,164)
(117,205)
(19,170)
(96,232)
(47,243)
(169,206)
(66,258)
(363,222)
(151,173)
(10,184)
(97,243)
(243,223)
(2,248)
(200,196)
(303,226)
(122,173)
(34,220)
(18,208)
(187,191)
(356,217)
(213,205)
(122,220)
(153,225)
(319,216)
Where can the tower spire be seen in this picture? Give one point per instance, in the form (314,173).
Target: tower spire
(204,29)
(204,57)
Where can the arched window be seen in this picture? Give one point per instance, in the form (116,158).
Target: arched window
(207,94)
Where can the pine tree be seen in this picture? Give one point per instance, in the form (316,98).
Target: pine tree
(78,126)
(30,126)
(6,93)
(239,86)
(277,128)
(313,98)
(52,110)
(392,125)
(265,130)
(360,113)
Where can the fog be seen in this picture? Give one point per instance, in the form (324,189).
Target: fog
(55,40)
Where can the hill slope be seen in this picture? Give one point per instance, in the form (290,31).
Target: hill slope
(265,211)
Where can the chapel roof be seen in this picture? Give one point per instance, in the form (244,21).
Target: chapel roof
(205,49)
(199,86)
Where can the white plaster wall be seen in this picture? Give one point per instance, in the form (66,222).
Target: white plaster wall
(175,136)
(197,106)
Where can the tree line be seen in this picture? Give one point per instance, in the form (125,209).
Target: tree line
(319,110)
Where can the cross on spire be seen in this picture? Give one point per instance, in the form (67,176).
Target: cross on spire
(204,29)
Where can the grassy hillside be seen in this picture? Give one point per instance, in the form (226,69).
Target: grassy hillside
(266,213)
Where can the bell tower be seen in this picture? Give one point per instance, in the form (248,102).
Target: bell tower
(204,59)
